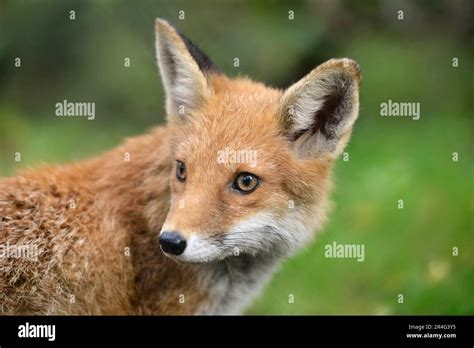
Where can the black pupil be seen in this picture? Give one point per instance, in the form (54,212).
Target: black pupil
(247,180)
(181,168)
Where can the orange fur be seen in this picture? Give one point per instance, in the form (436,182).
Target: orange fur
(96,223)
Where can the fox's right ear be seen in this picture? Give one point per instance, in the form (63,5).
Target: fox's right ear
(183,70)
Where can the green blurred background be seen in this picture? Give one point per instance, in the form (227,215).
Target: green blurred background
(407,251)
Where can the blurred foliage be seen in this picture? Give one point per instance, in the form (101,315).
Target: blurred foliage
(408,251)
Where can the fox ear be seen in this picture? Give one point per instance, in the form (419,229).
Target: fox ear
(183,70)
(317,113)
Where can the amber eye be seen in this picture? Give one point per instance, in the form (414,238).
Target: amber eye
(246,182)
(181,171)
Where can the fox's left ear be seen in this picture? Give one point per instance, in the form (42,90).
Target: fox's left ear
(317,113)
(184,69)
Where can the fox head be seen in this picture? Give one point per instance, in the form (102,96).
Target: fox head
(251,163)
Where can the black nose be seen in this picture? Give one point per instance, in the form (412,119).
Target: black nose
(172,243)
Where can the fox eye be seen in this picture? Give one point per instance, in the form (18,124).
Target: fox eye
(246,182)
(181,171)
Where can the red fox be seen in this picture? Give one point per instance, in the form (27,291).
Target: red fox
(190,218)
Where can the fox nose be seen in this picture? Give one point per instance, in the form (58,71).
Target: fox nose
(172,243)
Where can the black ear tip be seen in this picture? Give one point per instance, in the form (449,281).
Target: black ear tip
(202,60)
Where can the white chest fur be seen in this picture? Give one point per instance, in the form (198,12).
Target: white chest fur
(235,282)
